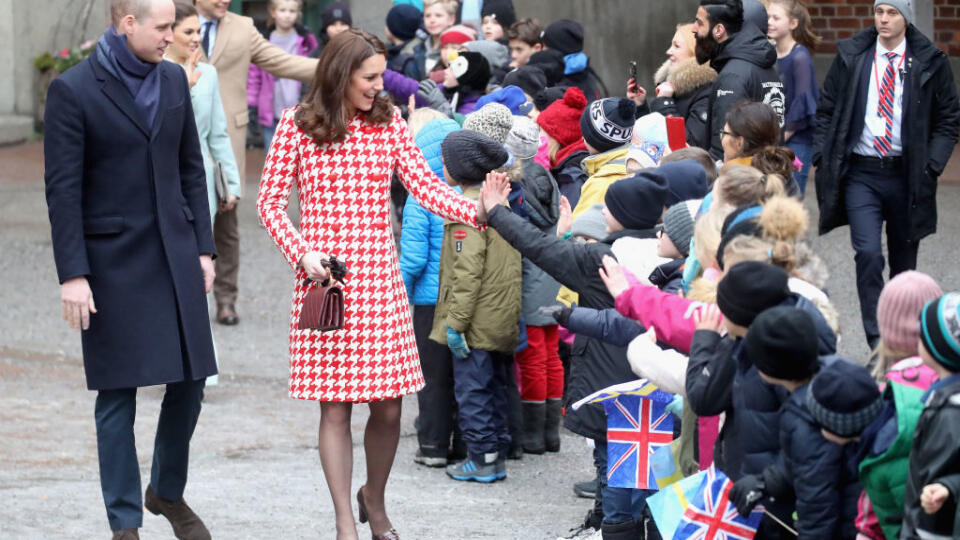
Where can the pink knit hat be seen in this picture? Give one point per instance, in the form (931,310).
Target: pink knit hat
(899,307)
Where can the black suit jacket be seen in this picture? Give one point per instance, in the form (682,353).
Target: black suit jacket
(128,210)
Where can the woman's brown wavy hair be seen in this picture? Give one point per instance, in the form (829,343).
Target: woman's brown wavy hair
(323,111)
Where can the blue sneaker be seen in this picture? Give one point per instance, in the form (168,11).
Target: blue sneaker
(473,469)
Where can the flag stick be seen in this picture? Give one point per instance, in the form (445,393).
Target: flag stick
(782,524)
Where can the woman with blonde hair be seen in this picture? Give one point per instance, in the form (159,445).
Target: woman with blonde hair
(682,87)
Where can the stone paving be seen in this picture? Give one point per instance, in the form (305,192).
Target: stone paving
(255,472)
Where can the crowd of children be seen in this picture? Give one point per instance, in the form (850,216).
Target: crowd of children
(618,249)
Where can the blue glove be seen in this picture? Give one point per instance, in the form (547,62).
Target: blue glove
(676,406)
(457,343)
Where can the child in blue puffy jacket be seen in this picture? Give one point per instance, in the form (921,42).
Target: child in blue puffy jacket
(421,239)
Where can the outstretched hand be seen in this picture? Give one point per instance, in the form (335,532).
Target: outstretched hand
(708,318)
(496,189)
(613,277)
(566,217)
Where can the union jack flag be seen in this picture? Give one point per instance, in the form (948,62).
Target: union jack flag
(636,427)
(711,516)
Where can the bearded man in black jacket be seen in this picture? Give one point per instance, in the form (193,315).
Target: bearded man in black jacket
(744,60)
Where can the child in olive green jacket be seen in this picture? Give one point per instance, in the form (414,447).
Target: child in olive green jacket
(478,311)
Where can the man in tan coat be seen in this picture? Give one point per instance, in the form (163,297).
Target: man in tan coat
(231,42)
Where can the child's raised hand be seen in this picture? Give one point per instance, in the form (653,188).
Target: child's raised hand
(933,496)
(708,318)
(566,217)
(496,189)
(613,277)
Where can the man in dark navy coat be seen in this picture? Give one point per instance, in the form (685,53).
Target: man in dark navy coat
(133,247)
(887,122)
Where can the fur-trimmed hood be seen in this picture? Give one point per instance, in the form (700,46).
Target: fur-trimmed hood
(687,77)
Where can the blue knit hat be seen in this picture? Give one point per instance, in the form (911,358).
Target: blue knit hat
(940,330)
(843,398)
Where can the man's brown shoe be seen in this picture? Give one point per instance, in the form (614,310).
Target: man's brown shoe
(227,315)
(126,534)
(186,524)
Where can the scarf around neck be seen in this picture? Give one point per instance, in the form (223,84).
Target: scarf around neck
(141,79)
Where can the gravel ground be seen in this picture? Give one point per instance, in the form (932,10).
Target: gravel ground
(255,472)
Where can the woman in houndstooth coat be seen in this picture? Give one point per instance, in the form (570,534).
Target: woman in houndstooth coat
(340,148)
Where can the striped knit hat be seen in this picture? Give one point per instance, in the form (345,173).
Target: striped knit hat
(843,398)
(900,304)
(940,330)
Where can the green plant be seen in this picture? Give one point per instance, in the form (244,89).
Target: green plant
(65,59)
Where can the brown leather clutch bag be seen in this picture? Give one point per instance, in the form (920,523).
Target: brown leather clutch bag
(322,309)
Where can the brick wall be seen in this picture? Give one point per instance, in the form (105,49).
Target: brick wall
(839,19)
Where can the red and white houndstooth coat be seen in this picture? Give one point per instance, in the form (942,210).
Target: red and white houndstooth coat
(345,211)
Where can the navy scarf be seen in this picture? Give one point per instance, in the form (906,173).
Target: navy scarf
(141,78)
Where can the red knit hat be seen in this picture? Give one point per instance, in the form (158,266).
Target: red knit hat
(561,120)
(899,307)
(457,35)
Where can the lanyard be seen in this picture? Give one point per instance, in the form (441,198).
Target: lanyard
(876,75)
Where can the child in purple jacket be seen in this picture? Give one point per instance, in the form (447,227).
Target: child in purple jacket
(268,94)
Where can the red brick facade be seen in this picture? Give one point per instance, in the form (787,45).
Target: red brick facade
(839,19)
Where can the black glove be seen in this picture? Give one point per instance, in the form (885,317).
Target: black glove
(559,312)
(747,492)
(775,484)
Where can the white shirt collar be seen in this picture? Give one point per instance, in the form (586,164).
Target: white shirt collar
(204,20)
(899,49)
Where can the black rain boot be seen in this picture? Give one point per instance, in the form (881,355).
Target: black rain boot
(533,423)
(625,530)
(551,425)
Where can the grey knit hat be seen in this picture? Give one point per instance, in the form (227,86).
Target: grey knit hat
(523,141)
(843,398)
(590,223)
(905,7)
(678,224)
(493,120)
(469,156)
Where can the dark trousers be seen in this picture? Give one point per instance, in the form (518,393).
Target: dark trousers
(119,468)
(226,234)
(480,384)
(619,504)
(438,407)
(874,195)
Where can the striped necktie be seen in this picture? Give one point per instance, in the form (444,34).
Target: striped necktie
(884,144)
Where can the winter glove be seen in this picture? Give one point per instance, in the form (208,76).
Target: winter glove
(747,492)
(457,343)
(431,93)
(559,312)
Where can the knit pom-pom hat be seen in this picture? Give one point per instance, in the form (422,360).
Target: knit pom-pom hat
(561,120)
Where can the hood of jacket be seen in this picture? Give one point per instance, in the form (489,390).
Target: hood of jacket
(687,77)
(918,46)
(748,45)
(496,53)
(541,196)
(612,162)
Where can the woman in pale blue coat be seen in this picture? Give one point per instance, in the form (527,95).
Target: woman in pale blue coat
(207,111)
(207,108)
